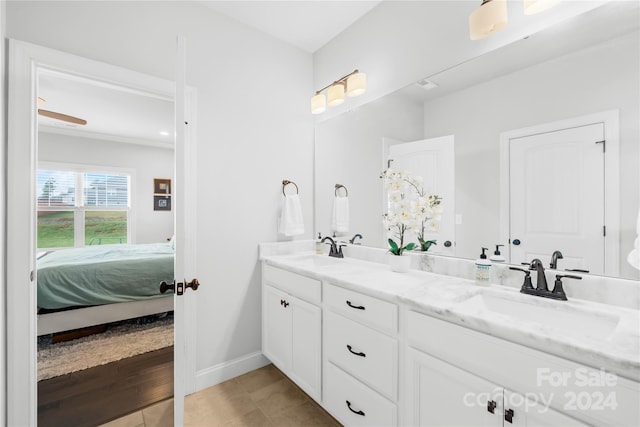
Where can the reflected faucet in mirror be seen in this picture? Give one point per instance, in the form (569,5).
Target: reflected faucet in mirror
(353,239)
(555,256)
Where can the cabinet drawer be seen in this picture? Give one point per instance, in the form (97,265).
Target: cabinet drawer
(368,355)
(297,285)
(364,408)
(371,311)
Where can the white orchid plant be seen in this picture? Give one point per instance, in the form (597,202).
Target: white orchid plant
(409,208)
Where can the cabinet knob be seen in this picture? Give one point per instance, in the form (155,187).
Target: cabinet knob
(491,406)
(351,409)
(508,416)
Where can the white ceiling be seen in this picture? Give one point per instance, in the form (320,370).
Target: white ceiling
(308,25)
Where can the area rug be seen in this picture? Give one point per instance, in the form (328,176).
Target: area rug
(119,341)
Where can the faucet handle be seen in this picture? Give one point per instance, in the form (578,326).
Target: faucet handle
(558,289)
(527,277)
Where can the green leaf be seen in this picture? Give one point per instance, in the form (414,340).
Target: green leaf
(410,246)
(394,247)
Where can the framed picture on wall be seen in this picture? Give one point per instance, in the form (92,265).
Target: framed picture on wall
(161,203)
(161,186)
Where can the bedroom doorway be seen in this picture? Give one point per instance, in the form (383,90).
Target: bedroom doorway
(88,203)
(104,239)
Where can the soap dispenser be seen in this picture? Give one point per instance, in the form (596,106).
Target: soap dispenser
(319,245)
(497,256)
(483,269)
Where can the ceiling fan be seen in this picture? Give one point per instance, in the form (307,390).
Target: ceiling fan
(59,116)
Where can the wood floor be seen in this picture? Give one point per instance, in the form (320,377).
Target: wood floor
(264,397)
(94,396)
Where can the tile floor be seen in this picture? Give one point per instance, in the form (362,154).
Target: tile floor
(264,397)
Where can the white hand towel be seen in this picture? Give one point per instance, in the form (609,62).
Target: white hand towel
(340,220)
(291,223)
(634,255)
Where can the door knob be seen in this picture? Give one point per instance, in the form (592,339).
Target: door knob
(164,286)
(192,284)
(447,244)
(516,242)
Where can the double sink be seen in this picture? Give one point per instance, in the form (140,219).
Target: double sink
(558,318)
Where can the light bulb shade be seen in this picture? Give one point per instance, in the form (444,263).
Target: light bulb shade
(536,6)
(318,103)
(335,94)
(489,18)
(357,84)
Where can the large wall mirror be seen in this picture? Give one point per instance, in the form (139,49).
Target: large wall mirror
(587,66)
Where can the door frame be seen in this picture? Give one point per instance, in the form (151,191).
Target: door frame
(611,122)
(24,62)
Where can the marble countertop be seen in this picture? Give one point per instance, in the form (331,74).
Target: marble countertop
(594,334)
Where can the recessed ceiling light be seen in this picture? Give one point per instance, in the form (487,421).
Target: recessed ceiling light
(164,133)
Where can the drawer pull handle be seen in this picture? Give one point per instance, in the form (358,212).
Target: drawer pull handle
(357,307)
(353,352)
(508,415)
(355,412)
(491,406)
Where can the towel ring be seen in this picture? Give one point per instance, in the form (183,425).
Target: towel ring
(339,186)
(286,182)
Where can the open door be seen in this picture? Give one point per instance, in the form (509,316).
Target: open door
(24,63)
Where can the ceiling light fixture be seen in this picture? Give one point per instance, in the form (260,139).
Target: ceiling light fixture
(536,6)
(354,83)
(489,18)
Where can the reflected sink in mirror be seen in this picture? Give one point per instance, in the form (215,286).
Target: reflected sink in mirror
(551,315)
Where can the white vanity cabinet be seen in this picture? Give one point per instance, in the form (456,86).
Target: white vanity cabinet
(361,358)
(449,384)
(444,395)
(292,325)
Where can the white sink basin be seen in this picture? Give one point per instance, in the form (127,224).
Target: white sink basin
(558,316)
(316,261)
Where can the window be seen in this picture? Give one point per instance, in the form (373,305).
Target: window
(81,208)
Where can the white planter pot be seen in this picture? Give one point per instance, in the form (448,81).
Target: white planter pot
(399,264)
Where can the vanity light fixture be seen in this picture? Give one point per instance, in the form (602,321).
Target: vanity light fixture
(536,6)
(354,83)
(489,18)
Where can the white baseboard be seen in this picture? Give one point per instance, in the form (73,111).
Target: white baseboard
(226,370)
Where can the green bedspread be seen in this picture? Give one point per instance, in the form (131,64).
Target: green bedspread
(106,274)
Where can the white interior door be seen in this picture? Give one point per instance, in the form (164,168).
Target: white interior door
(557,197)
(433,160)
(25,61)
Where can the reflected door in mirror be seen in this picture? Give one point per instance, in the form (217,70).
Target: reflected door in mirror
(557,197)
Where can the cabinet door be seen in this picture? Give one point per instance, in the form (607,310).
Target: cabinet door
(439,394)
(521,411)
(276,327)
(306,353)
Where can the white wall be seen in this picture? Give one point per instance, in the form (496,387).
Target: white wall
(253,130)
(349,147)
(596,79)
(147,162)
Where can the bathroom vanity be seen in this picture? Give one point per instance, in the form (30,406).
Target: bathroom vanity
(374,347)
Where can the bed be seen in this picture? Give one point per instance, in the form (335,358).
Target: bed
(82,287)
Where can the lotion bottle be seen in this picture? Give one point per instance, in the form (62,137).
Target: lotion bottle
(483,269)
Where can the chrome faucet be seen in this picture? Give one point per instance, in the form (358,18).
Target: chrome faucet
(555,256)
(353,239)
(335,250)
